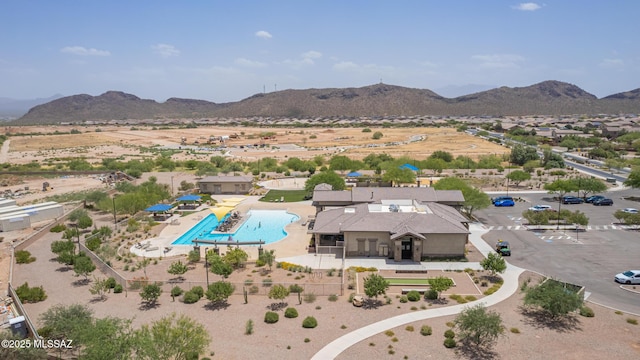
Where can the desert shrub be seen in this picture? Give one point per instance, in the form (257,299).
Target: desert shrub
(30,295)
(176,291)
(449,343)
(389,333)
(307,340)
(309,322)
(515,330)
(111,282)
(248,282)
(632,321)
(58,228)
(198,290)
(351,296)
(492,289)
(93,244)
(470,298)
(260,263)
(403,299)
(450,324)
(309,297)
(586,311)
(117,289)
(190,297)
(271,317)
(413,296)
(24,257)
(409,328)
(291,313)
(253,289)
(333,297)
(267,282)
(431,294)
(295,288)
(426,330)
(449,334)
(248,327)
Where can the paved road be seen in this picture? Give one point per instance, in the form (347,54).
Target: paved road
(590,258)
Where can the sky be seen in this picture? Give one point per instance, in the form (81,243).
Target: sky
(225,51)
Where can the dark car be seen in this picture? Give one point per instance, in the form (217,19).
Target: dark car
(603,202)
(500,198)
(504,202)
(572,200)
(593,198)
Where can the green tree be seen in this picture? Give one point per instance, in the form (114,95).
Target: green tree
(435,164)
(268,257)
(278,292)
(474,199)
(377,135)
(82,265)
(494,263)
(65,250)
(324,177)
(633,179)
(375,285)
(236,257)
(560,188)
(520,154)
(518,176)
(577,217)
(66,322)
(554,298)
(19,352)
(177,268)
(172,337)
(443,155)
(193,256)
(219,291)
(536,217)
(478,327)
(340,163)
(588,186)
(150,294)
(217,265)
(440,284)
(99,287)
(399,176)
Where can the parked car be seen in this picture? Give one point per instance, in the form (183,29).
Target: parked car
(502,248)
(628,277)
(505,202)
(537,208)
(603,202)
(630,210)
(593,198)
(500,198)
(572,200)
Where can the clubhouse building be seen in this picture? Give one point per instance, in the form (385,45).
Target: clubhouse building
(409,223)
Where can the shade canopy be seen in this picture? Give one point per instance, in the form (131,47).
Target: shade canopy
(158,208)
(409,166)
(220,211)
(234,199)
(189,198)
(354,174)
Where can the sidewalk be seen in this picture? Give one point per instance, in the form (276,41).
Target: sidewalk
(509,287)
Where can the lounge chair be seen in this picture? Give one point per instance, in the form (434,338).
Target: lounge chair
(152,248)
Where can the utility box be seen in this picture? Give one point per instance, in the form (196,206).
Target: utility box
(19,327)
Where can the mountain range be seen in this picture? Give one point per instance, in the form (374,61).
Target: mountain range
(545,98)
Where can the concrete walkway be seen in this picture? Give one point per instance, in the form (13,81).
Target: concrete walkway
(508,288)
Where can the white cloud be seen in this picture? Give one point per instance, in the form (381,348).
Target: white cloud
(263,34)
(527,6)
(612,63)
(165,50)
(82,51)
(345,65)
(249,63)
(499,60)
(312,55)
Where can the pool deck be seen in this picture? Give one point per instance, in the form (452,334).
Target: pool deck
(294,244)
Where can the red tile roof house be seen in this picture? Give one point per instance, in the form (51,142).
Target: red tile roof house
(395,223)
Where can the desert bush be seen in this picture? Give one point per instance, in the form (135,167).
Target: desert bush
(449,343)
(30,295)
(176,291)
(111,282)
(198,290)
(117,289)
(58,228)
(295,288)
(632,321)
(389,333)
(333,297)
(431,294)
(449,334)
(24,257)
(309,298)
(291,313)
(515,330)
(248,327)
(267,282)
(309,322)
(413,296)
(190,297)
(586,311)
(409,328)
(253,289)
(403,299)
(426,330)
(271,317)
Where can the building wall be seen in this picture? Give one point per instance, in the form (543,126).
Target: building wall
(224,187)
(444,245)
(354,249)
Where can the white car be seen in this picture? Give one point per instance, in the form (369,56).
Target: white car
(630,210)
(540,208)
(629,277)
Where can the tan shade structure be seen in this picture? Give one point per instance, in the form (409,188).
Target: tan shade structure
(221,211)
(233,200)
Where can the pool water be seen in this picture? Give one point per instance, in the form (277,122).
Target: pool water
(265,225)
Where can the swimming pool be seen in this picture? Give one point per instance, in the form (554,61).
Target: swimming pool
(265,225)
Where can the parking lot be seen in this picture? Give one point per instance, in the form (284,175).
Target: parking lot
(590,257)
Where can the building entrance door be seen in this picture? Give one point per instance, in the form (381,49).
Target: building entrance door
(407,249)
